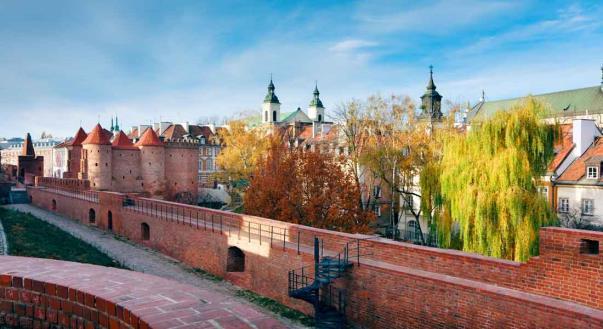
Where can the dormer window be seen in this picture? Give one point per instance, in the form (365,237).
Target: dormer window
(592,172)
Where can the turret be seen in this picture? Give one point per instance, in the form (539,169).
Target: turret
(271,109)
(316,111)
(97,159)
(152,162)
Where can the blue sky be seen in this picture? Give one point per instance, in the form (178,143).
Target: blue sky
(66,62)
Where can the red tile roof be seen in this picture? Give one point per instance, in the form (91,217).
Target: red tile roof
(80,136)
(98,136)
(122,142)
(563,147)
(149,138)
(174,132)
(577,170)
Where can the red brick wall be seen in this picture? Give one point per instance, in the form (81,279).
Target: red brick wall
(395,281)
(43,293)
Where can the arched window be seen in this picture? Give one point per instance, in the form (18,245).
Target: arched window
(320,118)
(91,216)
(266,116)
(110,220)
(274,116)
(54,204)
(236,260)
(146,231)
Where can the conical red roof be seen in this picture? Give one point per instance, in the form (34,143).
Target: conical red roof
(97,137)
(121,141)
(80,136)
(149,138)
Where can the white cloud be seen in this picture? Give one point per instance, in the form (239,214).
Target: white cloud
(351,45)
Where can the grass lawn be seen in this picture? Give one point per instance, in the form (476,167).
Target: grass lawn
(29,236)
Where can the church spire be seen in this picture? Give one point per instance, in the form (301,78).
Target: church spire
(430,84)
(316,102)
(431,101)
(116,128)
(271,96)
(112,124)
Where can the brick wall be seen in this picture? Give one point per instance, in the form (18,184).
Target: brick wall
(397,284)
(43,293)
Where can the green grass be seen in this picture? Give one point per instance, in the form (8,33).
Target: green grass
(264,302)
(276,307)
(31,237)
(207,275)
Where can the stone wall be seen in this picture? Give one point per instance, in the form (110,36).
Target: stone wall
(392,285)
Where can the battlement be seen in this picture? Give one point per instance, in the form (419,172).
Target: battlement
(182,143)
(395,285)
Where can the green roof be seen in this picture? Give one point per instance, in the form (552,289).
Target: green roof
(562,103)
(298,115)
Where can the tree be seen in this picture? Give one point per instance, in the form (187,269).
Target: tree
(351,118)
(242,150)
(488,193)
(308,188)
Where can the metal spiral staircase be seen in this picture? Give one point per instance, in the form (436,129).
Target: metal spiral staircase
(328,301)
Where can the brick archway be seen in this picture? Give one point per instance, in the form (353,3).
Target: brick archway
(235,261)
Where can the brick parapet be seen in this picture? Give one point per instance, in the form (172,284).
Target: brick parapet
(200,237)
(40,293)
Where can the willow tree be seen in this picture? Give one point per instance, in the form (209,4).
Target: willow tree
(489,180)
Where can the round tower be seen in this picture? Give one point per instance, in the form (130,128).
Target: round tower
(152,163)
(271,109)
(98,158)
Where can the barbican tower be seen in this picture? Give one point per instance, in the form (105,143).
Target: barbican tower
(271,109)
(431,101)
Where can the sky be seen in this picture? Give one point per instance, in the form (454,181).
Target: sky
(69,63)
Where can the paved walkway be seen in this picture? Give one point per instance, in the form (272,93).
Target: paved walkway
(148,261)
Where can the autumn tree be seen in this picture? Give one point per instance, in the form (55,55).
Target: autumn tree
(243,148)
(308,188)
(489,198)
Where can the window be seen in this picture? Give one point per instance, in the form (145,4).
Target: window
(409,202)
(377,210)
(266,116)
(563,205)
(274,116)
(592,172)
(590,247)
(319,118)
(377,191)
(588,206)
(145,231)
(110,221)
(236,260)
(91,216)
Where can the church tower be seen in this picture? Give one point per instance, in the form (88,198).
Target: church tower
(271,109)
(431,101)
(316,111)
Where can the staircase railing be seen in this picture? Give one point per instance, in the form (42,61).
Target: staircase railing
(316,287)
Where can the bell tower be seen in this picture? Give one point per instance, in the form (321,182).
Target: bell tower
(316,111)
(431,101)
(271,109)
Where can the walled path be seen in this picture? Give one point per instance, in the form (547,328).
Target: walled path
(148,261)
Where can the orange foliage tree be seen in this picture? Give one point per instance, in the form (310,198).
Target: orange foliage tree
(308,188)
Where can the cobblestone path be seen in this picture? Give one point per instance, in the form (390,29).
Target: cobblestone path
(142,259)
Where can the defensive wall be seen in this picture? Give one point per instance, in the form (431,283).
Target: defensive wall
(44,293)
(392,284)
